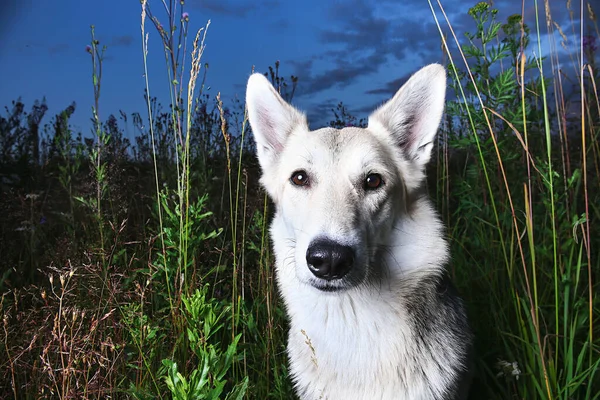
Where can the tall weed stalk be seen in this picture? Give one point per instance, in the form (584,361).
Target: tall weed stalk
(194,318)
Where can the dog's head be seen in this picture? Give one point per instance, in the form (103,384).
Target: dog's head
(339,192)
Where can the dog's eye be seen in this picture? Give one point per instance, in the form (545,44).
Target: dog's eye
(299,178)
(373,181)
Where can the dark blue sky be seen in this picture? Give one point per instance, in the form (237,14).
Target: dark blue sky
(356,51)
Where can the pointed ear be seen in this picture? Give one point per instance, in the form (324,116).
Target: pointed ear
(271,118)
(413,115)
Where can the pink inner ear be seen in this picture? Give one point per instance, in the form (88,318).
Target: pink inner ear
(415,136)
(413,115)
(270,133)
(272,119)
(266,127)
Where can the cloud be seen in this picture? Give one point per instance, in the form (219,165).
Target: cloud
(358,26)
(362,37)
(390,87)
(280,25)
(301,65)
(121,41)
(235,8)
(373,46)
(321,113)
(58,48)
(345,71)
(9,11)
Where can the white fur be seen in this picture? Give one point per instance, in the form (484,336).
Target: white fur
(355,343)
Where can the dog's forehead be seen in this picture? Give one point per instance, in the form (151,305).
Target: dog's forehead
(330,144)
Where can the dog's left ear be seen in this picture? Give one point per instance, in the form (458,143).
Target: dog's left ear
(413,115)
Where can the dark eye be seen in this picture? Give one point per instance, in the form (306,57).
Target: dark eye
(299,178)
(373,181)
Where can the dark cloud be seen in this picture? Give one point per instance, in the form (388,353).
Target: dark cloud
(362,38)
(365,111)
(365,38)
(58,48)
(235,8)
(358,27)
(344,72)
(389,88)
(9,10)
(321,113)
(414,37)
(354,44)
(300,66)
(121,41)
(280,25)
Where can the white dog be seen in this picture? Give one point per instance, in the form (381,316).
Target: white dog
(360,251)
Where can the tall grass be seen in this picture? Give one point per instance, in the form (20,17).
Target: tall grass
(144,270)
(534,212)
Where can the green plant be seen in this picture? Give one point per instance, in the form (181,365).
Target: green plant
(204,319)
(515,213)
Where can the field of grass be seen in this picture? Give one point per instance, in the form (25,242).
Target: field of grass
(139,266)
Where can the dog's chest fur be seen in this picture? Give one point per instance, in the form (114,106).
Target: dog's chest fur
(368,348)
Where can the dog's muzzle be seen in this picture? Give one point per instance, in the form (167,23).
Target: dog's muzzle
(329,260)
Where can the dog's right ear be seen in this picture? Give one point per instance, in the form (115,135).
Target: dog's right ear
(412,118)
(272,119)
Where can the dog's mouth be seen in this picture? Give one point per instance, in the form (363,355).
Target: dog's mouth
(330,287)
(353,279)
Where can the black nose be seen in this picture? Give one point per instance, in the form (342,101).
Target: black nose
(329,260)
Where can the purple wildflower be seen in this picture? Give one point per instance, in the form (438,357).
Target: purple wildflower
(185,16)
(88,48)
